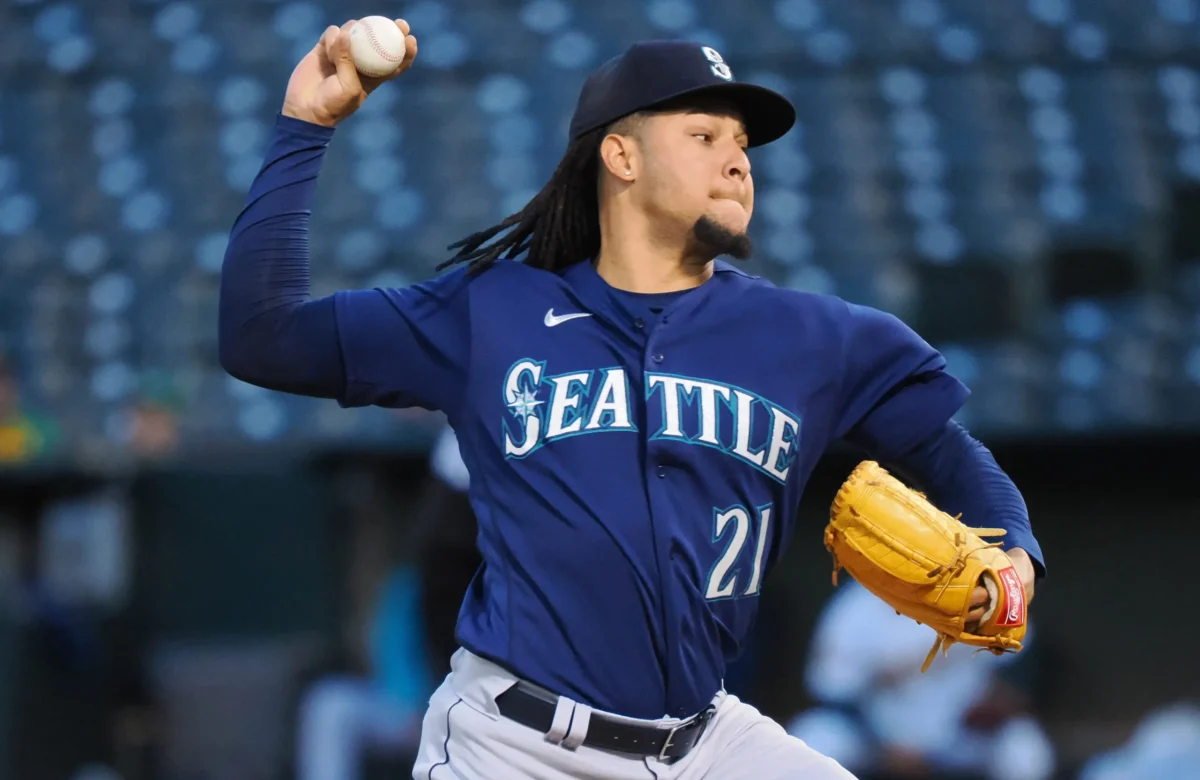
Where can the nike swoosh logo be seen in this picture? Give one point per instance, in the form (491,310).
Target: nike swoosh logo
(552,319)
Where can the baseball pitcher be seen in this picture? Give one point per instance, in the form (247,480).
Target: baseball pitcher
(638,419)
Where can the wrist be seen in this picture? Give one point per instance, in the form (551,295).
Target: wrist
(306,115)
(1025,568)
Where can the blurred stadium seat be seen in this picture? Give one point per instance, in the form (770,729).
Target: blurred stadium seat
(1015,179)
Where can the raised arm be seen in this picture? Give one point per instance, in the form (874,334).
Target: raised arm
(270,333)
(388,347)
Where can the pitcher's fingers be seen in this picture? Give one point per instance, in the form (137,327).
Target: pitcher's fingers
(343,60)
(324,42)
(410,50)
(330,39)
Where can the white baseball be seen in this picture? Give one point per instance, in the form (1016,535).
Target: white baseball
(377,46)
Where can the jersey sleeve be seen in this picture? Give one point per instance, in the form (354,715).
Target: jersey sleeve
(406,347)
(895,389)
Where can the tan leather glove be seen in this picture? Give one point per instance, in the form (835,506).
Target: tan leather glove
(924,563)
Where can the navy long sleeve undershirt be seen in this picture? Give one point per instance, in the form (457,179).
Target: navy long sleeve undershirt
(960,474)
(270,332)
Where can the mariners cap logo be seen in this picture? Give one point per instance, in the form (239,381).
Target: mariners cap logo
(719,67)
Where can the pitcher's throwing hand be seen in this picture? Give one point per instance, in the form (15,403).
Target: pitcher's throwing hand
(326,87)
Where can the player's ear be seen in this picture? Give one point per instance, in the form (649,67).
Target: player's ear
(618,154)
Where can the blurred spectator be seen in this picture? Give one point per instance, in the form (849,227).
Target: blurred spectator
(1165,746)
(24,435)
(345,719)
(879,716)
(86,708)
(154,432)
(154,418)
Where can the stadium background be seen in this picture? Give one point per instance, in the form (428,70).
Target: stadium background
(181,553)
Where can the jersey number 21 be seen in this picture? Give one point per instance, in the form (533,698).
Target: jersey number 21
(735,522)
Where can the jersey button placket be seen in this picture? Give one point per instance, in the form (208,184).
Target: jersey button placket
(656,356)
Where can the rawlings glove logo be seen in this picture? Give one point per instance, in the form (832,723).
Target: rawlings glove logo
(1014,594)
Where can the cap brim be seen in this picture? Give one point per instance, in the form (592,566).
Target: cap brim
(767,114)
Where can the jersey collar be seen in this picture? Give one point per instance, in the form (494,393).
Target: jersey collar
(583,277)
(602,299)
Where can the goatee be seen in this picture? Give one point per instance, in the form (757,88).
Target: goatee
(716,239)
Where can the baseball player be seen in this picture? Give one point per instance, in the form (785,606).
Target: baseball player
(638,418)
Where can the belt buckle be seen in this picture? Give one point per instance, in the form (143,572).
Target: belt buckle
(700,718)
(662,754)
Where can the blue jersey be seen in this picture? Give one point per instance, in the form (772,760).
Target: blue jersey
(635,473)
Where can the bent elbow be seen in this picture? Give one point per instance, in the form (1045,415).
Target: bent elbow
(291,348)
(235,359)
(243,342)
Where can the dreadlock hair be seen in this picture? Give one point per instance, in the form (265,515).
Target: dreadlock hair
(560,226)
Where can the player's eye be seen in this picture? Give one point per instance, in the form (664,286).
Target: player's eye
(705,137)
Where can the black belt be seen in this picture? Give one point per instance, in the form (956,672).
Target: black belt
(531,706)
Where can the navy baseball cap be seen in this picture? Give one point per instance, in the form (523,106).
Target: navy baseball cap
(652,73)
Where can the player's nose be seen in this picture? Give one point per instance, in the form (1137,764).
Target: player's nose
(737,166)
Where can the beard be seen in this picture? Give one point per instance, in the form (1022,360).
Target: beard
(715,239)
